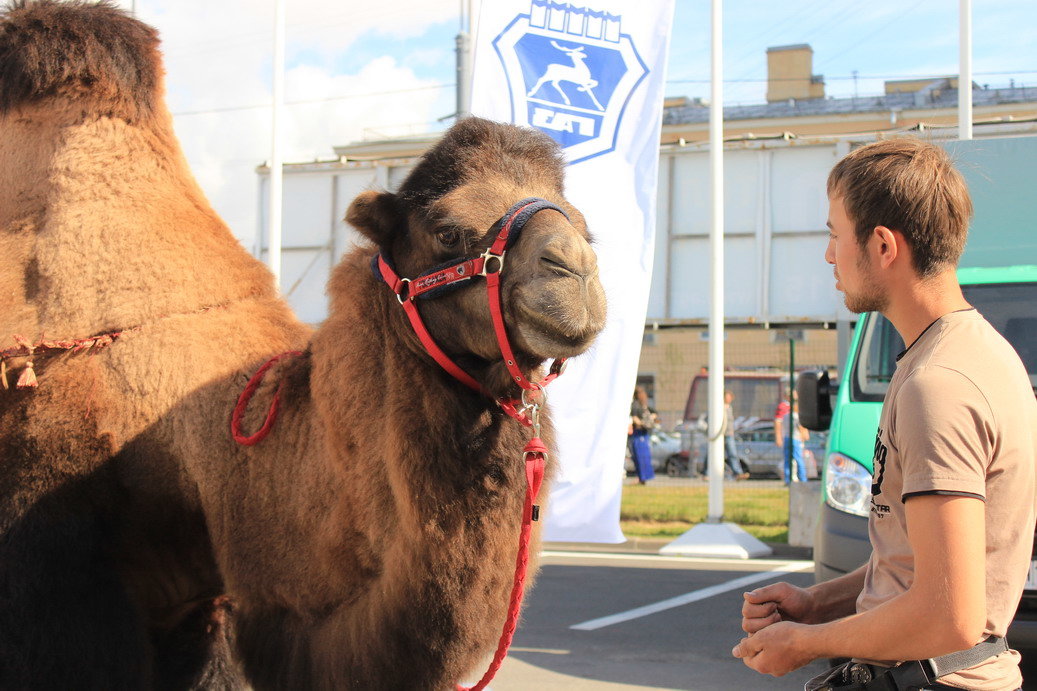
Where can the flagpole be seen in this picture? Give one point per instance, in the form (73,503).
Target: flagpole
(965,70)
(464,63)
(276,168)
(714,538)
(715,389)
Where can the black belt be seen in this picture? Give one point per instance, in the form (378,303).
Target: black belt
(913,674)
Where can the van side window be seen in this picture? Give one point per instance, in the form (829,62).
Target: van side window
(1011,308)
(876,359)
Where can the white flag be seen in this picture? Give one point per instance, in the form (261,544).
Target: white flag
(593,78)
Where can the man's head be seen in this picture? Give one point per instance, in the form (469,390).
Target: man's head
(729,396)
(900,190)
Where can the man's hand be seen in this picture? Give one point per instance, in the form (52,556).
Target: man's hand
(773,603)
(776,650)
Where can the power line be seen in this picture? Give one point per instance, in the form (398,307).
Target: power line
(266,106)
(896,18)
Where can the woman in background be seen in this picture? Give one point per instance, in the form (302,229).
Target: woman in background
(642,421)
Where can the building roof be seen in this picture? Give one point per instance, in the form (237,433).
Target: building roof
(935,96)
(794,46)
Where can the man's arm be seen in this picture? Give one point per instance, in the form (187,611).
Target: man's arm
(943,611)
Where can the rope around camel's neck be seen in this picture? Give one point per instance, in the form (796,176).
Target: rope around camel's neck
(42,347)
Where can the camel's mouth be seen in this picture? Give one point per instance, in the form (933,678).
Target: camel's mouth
(559,315)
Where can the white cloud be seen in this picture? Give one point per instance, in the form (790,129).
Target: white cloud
(218,58)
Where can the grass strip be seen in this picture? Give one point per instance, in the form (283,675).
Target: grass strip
(668,511)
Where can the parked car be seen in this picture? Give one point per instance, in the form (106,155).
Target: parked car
(754,442)
(757,395)
(764,458)
(666,450)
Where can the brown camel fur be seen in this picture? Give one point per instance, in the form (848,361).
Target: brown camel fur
(369,541)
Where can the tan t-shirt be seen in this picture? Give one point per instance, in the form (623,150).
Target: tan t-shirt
(959,417)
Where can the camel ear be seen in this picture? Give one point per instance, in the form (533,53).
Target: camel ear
(377,215)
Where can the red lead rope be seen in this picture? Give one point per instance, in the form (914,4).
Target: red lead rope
(246,396)
(536,455)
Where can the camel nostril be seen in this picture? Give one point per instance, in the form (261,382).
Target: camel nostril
(558,266)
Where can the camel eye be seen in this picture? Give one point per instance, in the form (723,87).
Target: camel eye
(449,237)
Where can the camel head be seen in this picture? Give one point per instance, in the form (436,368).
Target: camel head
(450,208)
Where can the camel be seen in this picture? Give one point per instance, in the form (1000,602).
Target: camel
(369,540)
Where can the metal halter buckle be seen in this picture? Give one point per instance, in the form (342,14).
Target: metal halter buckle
(400,290)
(486,257)
(531,409)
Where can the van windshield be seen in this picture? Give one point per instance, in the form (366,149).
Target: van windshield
(1009,307)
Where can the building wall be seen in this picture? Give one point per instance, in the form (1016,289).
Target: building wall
(775,210)
(847,123)
(775,276)
(909,86)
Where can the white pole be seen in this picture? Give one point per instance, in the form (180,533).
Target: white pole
(716,243)
(464,64)
(965,70)
(469,61)
(276,170)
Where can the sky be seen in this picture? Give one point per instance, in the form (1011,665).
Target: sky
(381,69)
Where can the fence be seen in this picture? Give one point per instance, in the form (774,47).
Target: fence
(673,369)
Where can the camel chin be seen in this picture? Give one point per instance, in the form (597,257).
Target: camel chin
(559,316)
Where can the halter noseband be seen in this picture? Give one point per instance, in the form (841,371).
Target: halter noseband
(443,279)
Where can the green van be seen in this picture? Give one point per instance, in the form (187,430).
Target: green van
(1007,297)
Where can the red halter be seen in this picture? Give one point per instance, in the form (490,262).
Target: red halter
(489,265)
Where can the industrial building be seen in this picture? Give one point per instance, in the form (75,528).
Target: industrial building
(777,157)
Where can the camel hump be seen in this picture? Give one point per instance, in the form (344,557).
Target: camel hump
(81,51)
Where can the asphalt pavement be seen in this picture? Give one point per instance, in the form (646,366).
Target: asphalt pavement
(610,620)
(621,618)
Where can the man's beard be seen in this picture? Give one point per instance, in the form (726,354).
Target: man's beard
(871,298)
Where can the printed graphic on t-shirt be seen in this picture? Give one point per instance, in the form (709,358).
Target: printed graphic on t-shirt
(878,464)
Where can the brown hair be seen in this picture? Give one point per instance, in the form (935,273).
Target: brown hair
(78,50)
(911,186)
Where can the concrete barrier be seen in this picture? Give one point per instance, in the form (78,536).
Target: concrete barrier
(804,508)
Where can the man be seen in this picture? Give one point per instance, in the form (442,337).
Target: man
(795,468)
(952,512)
(734,463)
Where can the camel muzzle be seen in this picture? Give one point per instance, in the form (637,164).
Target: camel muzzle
(443,279)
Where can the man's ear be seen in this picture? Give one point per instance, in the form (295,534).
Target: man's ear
(889,244)
(377,215)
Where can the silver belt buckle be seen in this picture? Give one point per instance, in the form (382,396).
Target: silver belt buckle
(859,673)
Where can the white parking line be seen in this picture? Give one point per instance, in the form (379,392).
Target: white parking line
(800,565)
(687,598)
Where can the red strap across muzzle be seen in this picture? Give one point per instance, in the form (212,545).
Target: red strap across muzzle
(489,265)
